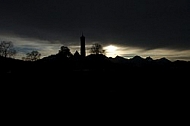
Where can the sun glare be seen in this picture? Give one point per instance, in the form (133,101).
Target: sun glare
(111,50)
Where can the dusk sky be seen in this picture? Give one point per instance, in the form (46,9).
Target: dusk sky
(155,28)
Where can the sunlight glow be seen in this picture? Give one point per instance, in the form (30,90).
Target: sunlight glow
(111,50)
(47,48)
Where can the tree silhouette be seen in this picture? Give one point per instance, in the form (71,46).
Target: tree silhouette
(65,52)
(32,56)
(7,49)
(97,48)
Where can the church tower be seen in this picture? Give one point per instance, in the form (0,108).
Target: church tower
(82,46)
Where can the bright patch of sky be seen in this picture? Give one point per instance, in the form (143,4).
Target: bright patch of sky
(46,48)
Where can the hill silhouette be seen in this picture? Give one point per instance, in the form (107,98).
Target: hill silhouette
(96,65)
(95,78)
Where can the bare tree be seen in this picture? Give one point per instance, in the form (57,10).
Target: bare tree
(7,49)
(32,56)
(97,49)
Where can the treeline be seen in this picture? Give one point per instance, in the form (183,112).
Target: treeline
(7,50)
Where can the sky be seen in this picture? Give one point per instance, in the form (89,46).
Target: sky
(155,28)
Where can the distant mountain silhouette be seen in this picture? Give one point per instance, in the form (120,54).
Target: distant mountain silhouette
(92,62)
(99,70)
(56,76)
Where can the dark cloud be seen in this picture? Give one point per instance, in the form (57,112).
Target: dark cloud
(142,23)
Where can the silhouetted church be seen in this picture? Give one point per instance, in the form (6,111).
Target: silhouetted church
(82,46)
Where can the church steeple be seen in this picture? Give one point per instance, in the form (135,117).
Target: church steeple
(82,46)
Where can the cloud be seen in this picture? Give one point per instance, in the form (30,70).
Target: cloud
(144,24)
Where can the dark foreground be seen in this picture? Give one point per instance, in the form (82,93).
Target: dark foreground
(92,83)
(90,97)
